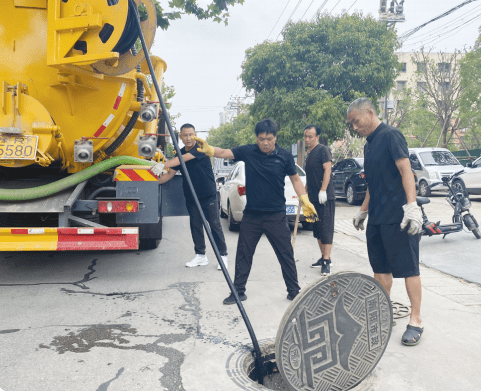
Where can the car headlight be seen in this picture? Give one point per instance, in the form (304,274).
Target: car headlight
(433,175)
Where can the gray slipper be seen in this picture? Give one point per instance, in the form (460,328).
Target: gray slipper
(412,335)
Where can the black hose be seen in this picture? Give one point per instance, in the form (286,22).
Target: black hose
(135,115)
(259,365)
(101,190)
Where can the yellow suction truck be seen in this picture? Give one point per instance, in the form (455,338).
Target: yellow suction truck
(80,127)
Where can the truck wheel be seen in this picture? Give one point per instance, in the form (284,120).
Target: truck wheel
(423,189)
(233,225)
(148,244)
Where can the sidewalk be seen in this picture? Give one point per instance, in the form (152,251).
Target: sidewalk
(447,358)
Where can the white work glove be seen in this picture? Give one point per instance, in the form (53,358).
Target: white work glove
(414,216)
(322,197)
(359,218)
(158,169)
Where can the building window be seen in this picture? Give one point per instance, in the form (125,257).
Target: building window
(400,85)
(421,67)
(422,86)
(444,86)
(444,67)
(403,68)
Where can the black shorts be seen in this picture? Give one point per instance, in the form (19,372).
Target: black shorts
(392,251)
(324,228)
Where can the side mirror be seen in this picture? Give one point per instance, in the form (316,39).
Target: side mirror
(220,180)
(469,165)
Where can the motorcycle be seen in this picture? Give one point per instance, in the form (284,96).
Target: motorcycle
(459,200)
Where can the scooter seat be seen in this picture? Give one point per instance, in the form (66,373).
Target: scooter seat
(422,200)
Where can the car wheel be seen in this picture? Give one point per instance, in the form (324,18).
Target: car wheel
(221,212)
(233,225)
(423,189)
(458,186)
(350,195)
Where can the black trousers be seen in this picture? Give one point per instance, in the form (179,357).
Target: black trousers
(211,212)
(274,225)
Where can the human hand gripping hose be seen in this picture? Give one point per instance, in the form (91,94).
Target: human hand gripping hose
(308,210)
(259,365)
(414,217)
(359,218)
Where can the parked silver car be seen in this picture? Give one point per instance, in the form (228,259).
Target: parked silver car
(232,196)
(471,179)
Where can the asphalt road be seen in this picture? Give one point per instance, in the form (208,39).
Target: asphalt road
(110,321)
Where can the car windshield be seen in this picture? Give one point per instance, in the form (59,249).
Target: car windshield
(360,161)
(438,158)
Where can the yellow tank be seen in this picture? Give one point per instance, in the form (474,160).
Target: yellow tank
(67,75)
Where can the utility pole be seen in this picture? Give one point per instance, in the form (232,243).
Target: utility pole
(391,15)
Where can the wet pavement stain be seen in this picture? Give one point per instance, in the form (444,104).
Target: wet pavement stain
(118,337)
(104,386)
(9,331)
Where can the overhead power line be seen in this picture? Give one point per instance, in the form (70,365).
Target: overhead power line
(355,1)
(319,9)
(302,17)
(335,6)
(279,18)
(407,34)
(290,17)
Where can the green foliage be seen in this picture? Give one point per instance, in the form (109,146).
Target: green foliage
(343,55)
(318,68)
(230,135)
(470,99)
(216,10)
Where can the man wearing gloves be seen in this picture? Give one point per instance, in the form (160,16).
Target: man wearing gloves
(395,219)
(200,171)
(266,166)
(321,194)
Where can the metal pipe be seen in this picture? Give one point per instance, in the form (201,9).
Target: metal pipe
(258,359)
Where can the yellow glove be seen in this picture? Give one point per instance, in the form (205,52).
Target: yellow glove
(204,147)
(308,209)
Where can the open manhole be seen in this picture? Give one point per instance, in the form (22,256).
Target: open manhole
(331,338)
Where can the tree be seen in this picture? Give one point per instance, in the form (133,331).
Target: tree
(438,90)
(233,134)
(217,10)
(317,69)
(470,99)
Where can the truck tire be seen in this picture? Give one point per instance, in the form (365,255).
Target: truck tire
(233,225)
(423,189)
(148,244)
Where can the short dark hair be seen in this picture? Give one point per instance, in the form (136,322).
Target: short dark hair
(267,126)
(187,126)
(318,129)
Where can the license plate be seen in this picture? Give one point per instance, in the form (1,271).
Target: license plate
(291,210)
(18,147)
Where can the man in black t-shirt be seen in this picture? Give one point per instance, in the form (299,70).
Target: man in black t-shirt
(266,167)
(391,203)
(202,177)
(321,194)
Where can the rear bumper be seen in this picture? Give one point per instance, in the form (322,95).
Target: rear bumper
(68,239)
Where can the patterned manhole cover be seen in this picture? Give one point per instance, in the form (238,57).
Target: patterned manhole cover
(400,310)
(334,333)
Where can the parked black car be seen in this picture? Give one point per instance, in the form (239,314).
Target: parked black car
(349,180)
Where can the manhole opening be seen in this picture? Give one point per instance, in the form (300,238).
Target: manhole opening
(273,379)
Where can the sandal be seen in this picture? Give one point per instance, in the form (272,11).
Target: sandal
(412,335)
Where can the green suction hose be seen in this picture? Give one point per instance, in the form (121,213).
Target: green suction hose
(70,181)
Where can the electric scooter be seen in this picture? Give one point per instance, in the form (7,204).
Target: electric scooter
(460,202)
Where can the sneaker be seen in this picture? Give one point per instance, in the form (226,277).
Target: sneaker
(291,296)
(231,298)
(319,263)
(199,260)
(326,267)
(224,259)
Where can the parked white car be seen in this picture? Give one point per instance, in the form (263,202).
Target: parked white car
(232,196)
(471,179)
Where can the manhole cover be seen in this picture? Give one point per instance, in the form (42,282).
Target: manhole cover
(334,333)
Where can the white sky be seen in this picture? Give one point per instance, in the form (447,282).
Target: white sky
(204,58)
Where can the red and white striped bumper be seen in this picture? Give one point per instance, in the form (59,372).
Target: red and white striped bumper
(68,239)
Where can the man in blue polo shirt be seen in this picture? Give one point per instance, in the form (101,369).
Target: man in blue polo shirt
(391,204)
(266,166)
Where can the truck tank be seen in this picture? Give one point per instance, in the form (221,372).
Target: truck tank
(76,99)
